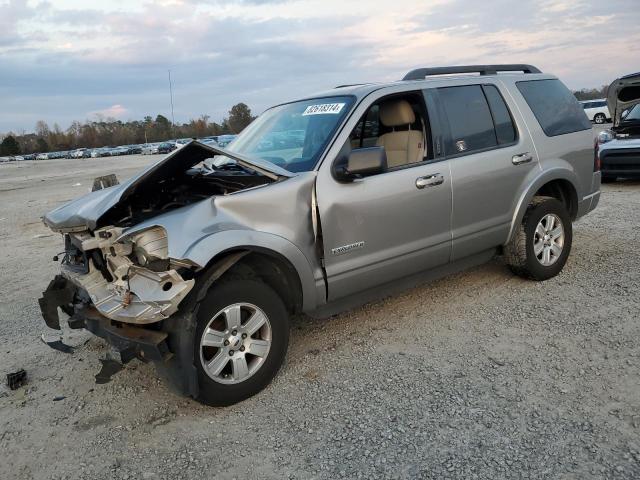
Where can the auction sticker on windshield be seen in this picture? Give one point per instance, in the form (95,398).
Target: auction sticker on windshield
(323,109)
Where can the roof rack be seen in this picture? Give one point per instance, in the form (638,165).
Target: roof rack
(421,73)
(351,85)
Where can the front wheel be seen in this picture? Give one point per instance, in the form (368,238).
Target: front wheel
(541,245)
(241,340)
(600,118)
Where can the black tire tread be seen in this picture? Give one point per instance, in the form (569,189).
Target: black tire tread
(515,252)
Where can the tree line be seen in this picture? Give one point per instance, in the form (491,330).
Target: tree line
(591,93)
(104,132)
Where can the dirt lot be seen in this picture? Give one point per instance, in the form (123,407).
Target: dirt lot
(479,375)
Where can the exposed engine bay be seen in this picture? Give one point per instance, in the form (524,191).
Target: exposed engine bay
(180,189)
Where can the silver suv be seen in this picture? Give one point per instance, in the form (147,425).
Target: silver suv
(199,261)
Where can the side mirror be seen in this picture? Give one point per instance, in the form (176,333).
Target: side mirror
(363,162)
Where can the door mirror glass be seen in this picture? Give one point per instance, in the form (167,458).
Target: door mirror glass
(363,162)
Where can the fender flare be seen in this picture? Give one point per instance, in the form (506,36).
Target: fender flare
(546,176)
(207,248)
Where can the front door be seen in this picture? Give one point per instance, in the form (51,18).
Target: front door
(383,227)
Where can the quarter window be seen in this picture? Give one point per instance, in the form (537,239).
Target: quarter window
(554,106)
(505,129)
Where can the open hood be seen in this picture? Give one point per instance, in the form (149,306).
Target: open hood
(85,212)
(623,94)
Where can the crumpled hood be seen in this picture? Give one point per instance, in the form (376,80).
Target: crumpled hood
(623,93)
(84,212)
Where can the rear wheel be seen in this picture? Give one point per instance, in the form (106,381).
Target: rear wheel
(241,340)
(600,118)
(541,245)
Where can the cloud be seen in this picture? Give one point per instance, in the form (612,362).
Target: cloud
(60,62)
(114,111)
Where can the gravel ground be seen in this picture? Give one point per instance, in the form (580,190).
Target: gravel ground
(479,375)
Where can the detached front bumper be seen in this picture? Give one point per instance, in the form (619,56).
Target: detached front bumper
(130,341)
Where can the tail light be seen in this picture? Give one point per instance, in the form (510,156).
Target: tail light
(596,155)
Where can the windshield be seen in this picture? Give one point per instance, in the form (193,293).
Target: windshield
(294,135)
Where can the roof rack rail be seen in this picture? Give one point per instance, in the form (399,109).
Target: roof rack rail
(421,73)
(351,85)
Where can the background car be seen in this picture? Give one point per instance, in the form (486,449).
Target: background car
(80,153)
(150,149)
(166,147)
(210,140)
(618,149)
(597,110)
(134,149)
(224,140)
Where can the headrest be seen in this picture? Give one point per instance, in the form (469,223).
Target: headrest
(396,112)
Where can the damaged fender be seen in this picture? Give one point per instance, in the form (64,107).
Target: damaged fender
(265,218)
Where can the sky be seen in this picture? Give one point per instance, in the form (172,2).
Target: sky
(66,60)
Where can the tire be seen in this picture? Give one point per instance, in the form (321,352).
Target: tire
(600,118)
(520,252)
(251,298)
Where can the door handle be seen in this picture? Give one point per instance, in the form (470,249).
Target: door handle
(429,181)
(522,158)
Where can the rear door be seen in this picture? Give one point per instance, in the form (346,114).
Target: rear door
(490,159)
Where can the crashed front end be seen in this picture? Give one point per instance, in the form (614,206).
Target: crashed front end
(121,275)
(114,284)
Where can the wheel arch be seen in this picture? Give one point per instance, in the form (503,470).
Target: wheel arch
(272,258)
(559,183)
(269,266)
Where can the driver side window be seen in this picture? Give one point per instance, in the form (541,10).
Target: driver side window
(367,130)
(399,124)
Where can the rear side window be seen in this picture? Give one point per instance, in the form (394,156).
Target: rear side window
(505,129)
(554,106)
(470,120)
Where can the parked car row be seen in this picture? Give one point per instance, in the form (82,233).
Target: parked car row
(144,149)
(18,158)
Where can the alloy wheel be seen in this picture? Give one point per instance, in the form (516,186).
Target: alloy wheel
(548,240)
(235,343)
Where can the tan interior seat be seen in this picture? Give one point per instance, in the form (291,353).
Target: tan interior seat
(404,146)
